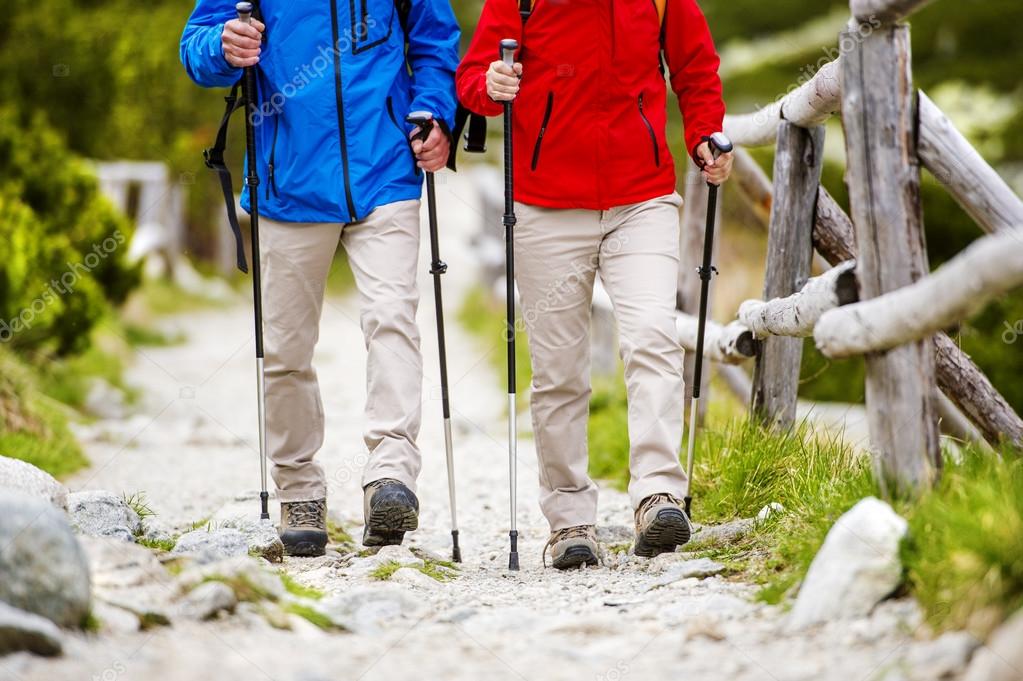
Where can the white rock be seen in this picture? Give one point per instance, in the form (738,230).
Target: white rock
(102,514)
(368,609)
(944,657)
(116,565)
(212,545)
(771,509)
(252,571)
(207,600)
(261,535)
(26,478)
(856,568)
(397,554)
(114,620)
(1002,658)
(674,570)
(20,630)
(410,576)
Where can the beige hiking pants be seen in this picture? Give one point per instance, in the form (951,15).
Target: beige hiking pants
(558,253)
(383,251)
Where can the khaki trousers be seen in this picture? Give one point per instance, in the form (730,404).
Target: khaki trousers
(558,253)
(383,251)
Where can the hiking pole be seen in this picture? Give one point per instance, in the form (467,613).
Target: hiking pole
(719,144)
(424,120)
(508,47)
(244,10)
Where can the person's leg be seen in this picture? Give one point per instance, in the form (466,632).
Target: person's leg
(383,250)
(295,259)
(556,255)
(639,266)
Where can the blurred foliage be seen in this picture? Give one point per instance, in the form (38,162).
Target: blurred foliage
(61,244)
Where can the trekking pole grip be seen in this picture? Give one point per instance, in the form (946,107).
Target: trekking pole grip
(244,10)
(424,121)
(508,47)
(719,144)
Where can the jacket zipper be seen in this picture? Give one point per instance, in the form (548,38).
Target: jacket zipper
(650,129)
(543,129)
(341,112)
(272,183)
(402,132)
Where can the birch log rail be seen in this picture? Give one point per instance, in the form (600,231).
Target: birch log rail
(961,287)
(731,343)
(797,314)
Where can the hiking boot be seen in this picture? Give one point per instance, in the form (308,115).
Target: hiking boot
(661,525)
(572,547)
(391,510)
(303,527)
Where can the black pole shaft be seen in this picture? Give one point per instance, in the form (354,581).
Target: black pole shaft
(706,271)
(509,244)
(437,268)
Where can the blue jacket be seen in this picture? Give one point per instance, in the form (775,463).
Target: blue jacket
(334,92)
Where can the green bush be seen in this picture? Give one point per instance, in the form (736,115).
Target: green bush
(61,243)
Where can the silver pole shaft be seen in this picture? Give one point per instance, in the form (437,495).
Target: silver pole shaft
(692,442)
(451,472)
(261,392)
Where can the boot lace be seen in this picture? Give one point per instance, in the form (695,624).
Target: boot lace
(656,500)
(577,532)
(307,513)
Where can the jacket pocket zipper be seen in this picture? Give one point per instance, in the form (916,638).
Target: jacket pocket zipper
(650,129)
(543,130)
(272,182)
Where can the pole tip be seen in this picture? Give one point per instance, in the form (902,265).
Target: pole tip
(513,561)
(456,553)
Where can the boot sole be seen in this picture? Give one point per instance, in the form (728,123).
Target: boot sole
(574,556)
(304,543)
(388,524)
(669,530)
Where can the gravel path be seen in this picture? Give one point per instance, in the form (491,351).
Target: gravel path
(191,450)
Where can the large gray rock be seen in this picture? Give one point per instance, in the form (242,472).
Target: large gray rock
(857,567)
(20,630)
(365,610)
(242,572)
(44,569)
(24,477)
(1002,658)
(130,578)
(102,514)
(208,600)
(212,545)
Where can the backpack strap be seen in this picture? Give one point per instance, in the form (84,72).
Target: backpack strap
(214,157)
(525,9)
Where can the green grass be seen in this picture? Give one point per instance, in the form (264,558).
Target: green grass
(338,535)
(484,316)
(340,280)
(311,615)
(138,503)
(161,297)
(385,571)
(33,426)
(441,570)
(156,544)
(298,589)
(964,556)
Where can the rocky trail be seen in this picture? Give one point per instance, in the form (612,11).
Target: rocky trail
(217,612)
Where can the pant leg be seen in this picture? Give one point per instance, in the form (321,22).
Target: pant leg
(556,256)
(639,266)
(383,250)
(295,259)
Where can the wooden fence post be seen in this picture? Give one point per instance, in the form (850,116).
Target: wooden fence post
(694,222)
(883,176)
(797,175)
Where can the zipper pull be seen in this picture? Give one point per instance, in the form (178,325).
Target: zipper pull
(270,181)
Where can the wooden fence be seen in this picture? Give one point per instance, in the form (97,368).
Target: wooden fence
(880,299)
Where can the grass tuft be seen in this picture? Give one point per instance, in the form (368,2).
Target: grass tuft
(296,588)
(311,614)
(385,571)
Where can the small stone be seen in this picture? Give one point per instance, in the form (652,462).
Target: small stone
(772,509)
(725,533)
(210,546)
(614,534)
(43,567)
(26,478)
(20,630)
(114,620)
(262,538)
(104,400)
(397,554)
(675,567)
(101,514)
(208,600)
(856,568)
(1002,658)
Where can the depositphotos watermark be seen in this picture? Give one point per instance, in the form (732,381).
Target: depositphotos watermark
(1012,332)
(61,286)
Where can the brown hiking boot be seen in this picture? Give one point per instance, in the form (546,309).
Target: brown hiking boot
(661,525)
(303,527)
(391,509)
(572,547)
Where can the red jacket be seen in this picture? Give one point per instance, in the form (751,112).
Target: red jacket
(589,120)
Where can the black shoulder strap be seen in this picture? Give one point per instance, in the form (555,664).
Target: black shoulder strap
(214,157)
(525,9)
